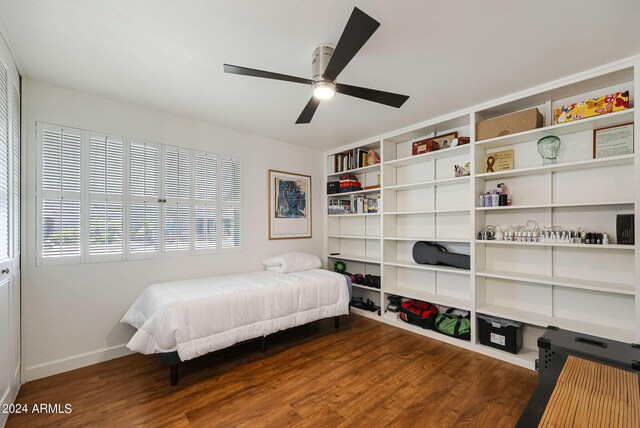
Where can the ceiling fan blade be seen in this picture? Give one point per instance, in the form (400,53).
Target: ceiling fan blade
(386,98)
(358,30)
(244,71)
(309,111)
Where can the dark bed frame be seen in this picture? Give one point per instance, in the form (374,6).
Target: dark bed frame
(172,359)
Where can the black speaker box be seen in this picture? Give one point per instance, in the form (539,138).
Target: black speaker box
(624,229)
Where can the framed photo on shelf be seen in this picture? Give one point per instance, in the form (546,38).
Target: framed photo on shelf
(614,140)
(289,205)
(444,141)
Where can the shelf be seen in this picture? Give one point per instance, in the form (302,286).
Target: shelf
(566,166)
(438,154)
(545,244)
(456,210)
(588,124)
(582,284)
(352,215)
(364,287)
(356,192)
(437,299)
(542,320)
(392,319)
(364,169)
(441,182)
(352,258)
(364,313)
(352,237)
(525,358)
(438,268)
(403,238)
(567,205)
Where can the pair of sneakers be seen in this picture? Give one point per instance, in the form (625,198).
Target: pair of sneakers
(369,305)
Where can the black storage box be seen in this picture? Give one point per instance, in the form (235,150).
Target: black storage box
(499,333)
(625,229)
(333,187)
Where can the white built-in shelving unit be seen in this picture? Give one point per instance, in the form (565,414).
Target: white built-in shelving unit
(586,288)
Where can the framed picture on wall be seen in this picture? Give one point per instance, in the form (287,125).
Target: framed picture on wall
(289,205)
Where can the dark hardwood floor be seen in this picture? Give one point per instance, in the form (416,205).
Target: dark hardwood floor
(365,374)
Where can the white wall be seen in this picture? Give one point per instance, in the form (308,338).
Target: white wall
(71,313)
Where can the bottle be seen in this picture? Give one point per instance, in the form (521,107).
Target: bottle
(605,239)
(495,199)
(481,201)
(487,198)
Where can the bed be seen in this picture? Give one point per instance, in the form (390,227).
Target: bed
(182,320)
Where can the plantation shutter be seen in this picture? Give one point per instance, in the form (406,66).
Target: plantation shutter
(177,204)
(4,164)
(16,171)
(206,201)
(144,209)
(61,178)
(230,203)
(106,187)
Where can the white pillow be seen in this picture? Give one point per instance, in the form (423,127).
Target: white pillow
(292,262)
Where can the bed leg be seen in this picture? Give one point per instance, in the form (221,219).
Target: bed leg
(263,344)
(174,374)
(337,322)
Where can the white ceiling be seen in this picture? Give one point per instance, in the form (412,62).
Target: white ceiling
(447,55)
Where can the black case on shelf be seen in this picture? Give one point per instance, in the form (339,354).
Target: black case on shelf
(625,233)
(497,335)
(333,187)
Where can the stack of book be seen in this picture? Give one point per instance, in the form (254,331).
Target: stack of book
(349,183)
(342,162)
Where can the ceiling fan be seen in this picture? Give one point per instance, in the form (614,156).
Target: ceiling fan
(327,65)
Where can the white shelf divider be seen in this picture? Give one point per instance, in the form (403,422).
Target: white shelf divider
(541,320)
(435,268)
(588,124)
(567,166)
(550,244)
(582,284)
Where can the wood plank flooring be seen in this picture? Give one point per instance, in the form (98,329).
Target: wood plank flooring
(365,374)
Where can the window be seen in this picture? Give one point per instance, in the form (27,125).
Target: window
(16,171)
(106,198)
(61,192)
(4,164)
(105,189)
(144,209)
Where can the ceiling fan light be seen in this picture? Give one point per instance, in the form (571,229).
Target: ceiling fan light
(324,90)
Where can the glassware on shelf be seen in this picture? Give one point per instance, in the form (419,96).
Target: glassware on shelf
(548,147)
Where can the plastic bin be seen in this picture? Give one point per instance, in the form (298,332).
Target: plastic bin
(500,333)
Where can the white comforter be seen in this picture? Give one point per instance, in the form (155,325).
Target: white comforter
(198,316)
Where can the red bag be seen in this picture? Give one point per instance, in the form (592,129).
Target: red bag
(418,313)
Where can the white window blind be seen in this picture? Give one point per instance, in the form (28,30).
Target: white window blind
(16,171)
(206,201)
(176,201)
(61,191)
(230,202)
(4,164)
(134,199)
(105,187)
(144,185)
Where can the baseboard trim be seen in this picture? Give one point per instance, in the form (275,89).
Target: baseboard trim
(74,362)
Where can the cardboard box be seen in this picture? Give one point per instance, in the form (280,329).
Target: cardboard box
(592,107)
(511,123)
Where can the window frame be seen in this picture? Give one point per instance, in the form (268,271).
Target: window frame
(127,200)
